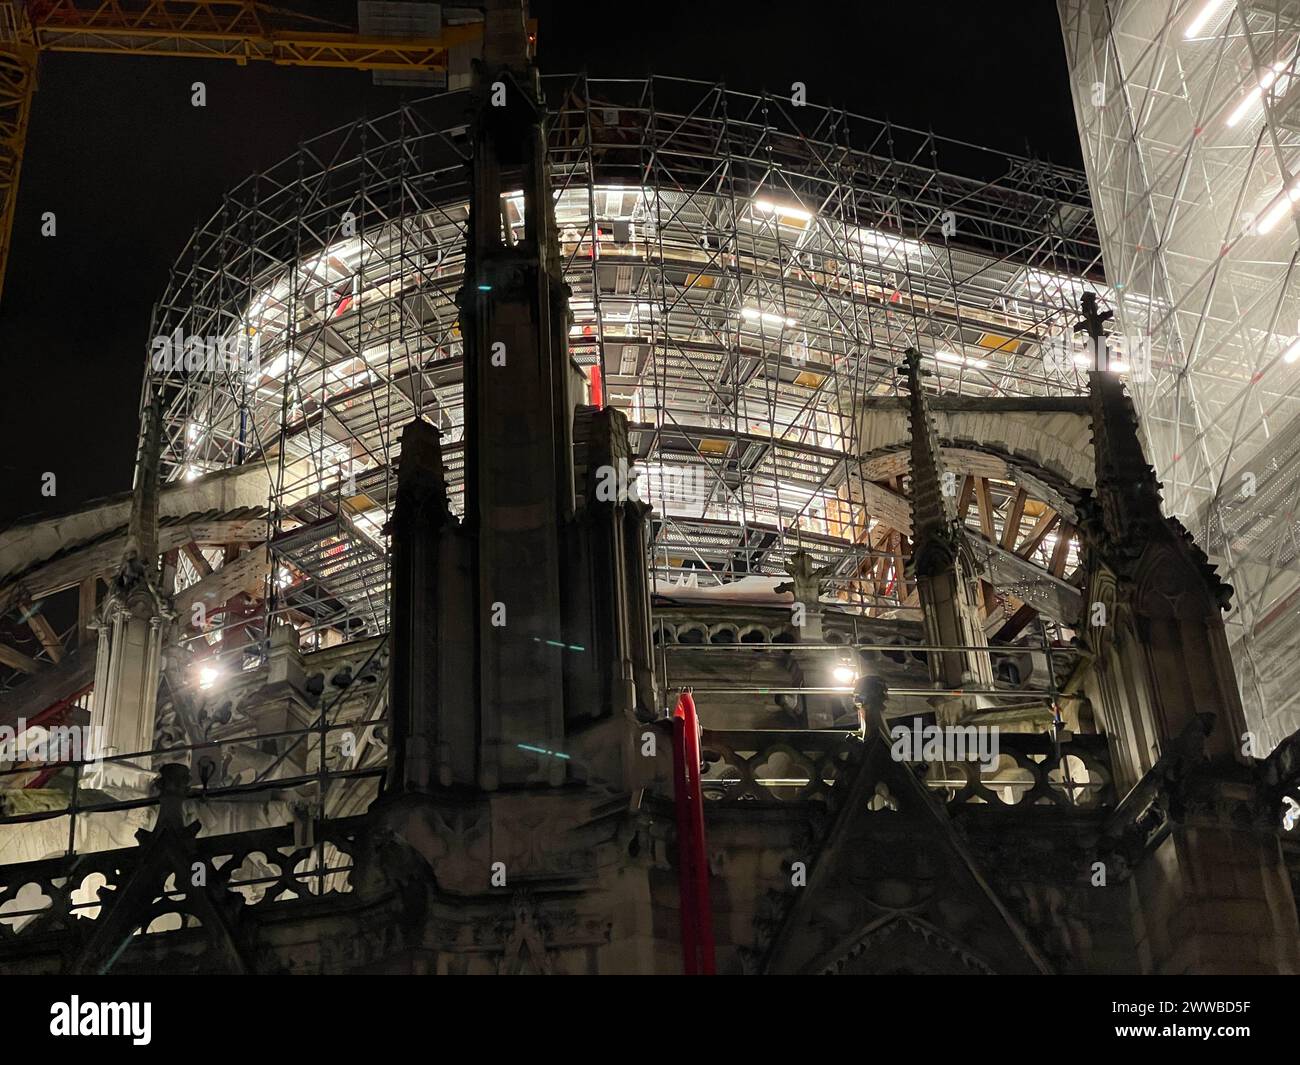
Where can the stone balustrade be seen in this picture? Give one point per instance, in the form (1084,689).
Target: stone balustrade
(802,766)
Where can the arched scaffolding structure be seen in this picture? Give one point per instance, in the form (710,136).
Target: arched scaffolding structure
(744,274)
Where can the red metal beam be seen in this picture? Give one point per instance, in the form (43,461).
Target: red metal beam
(685,879)
(52,715)
(692,859)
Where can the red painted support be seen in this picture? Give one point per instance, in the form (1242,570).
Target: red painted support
(49,717)
(685,853)
(692,860)
(597,388)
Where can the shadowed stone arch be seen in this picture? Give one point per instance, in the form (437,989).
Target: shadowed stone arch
(905,946)
(1043,437)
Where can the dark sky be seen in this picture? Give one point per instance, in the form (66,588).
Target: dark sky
(129,168)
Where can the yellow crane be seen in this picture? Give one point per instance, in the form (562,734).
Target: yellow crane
(238,30)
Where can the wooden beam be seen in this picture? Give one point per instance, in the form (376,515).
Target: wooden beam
(988,598)
(17,660)
(880,566)
(863,535)
(1061,552)
(1015,624)
(993,621)
(245,574)
(897,546)
(966,498)
(43,630)
(1011,527)
(1046,522)
(103,557)
(866,566)
(979,463)
(985,507)
(192,552)
(883,504)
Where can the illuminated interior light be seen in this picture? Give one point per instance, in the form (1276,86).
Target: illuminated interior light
(192,432)
(1118,366)
(845,670)
(1082,360)
(1202,19)
(192,473)
(753,314)
(1292,352)
(889,244)
(960,360)
(1253,99)
(795,216)
(1279,210)
(1250,101)
(208,676)
(767,207)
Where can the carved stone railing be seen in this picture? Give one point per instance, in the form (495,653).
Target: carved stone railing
(794,766)
(262,867)
(894,645)
(695,624)
(802,766)
(1029,773)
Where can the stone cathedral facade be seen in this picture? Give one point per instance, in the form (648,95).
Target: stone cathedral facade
(521,818)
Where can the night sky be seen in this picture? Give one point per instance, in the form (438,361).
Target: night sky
(130,167)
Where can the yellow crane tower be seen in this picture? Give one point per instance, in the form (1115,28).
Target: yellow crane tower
(238,30)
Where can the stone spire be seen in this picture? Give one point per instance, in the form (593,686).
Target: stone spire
(519,401)
(416,677)
(1149,584)
(1127,491)
(1161,683)
(941,560)
(521,642)
(140,556)
(934,531)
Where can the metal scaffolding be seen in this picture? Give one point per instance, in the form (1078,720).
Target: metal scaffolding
(744,273)
(1189,114)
